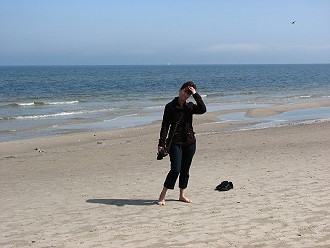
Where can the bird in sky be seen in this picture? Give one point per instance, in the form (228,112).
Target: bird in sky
(293,22)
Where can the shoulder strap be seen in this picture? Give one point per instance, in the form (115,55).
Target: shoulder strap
(168,147)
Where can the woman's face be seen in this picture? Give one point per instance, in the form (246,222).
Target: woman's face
(184,94)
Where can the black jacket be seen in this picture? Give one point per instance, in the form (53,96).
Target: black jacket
(184,133)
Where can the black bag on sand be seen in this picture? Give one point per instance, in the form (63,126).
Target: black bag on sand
(225,186)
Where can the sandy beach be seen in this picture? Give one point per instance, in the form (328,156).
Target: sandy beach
(99,189)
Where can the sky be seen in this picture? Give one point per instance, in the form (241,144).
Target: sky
(148,32)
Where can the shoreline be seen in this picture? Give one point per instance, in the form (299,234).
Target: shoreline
(262,115)
(279,109)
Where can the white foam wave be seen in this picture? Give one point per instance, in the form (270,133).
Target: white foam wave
(27,117)
(45,103)
(25,104)
(48,115)
(154,107)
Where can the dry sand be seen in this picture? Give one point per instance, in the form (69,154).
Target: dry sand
(98,189)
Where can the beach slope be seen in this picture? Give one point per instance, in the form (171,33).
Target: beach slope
(98,190)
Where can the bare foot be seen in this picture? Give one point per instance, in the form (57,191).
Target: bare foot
(184,199)
(161,202)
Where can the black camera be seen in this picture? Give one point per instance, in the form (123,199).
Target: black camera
(161,154)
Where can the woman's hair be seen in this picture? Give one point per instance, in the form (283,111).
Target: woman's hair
(188,84)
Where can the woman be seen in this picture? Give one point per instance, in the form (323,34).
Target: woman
(178,118)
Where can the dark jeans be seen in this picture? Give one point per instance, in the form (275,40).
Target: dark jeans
(181,157)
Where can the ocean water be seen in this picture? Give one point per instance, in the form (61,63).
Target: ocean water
(38,101)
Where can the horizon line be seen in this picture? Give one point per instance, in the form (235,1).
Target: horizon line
(165,64)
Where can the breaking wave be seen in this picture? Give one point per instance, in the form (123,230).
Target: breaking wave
(29,117)
(41,103)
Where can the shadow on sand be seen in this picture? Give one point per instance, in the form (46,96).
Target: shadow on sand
(123,202)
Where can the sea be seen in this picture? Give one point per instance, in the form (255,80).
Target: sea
(43,101)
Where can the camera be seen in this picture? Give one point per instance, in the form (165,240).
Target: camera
(161,154)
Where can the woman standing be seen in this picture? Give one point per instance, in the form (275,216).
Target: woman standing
(178,118)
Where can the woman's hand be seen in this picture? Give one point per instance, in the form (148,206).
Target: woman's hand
(192,89)
(160,148)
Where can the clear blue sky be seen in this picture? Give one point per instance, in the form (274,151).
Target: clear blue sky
(110,32)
